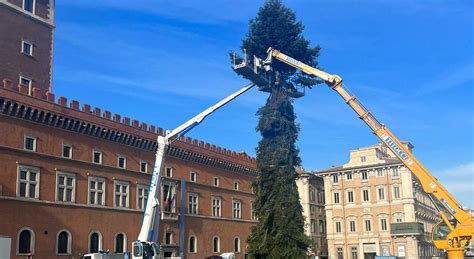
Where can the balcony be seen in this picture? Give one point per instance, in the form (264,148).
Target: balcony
(406,229)
(168,215)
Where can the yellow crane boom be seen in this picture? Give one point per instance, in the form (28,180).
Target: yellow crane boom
(452,234)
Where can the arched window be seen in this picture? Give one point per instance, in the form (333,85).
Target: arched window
(95,242)
(26,241)
(216,245)
(63,242)
(120,242)
(192,244)
(237,244)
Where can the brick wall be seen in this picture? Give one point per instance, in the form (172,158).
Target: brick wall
(16,26)
(46,216)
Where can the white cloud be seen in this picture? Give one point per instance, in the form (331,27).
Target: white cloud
(459,181)
(451,78)
(466,169)
(205,12)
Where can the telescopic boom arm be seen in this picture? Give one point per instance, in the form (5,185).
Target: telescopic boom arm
(461,231)
(145,247)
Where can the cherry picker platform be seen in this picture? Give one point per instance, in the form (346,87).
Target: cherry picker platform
(249,71)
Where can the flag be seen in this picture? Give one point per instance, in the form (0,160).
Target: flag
(171,202)
(167,198)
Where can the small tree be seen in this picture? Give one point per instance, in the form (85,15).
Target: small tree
(280,230)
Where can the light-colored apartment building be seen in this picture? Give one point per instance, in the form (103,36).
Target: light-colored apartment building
(311,191)
(375,206)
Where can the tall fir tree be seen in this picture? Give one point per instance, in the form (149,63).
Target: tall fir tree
(280,230)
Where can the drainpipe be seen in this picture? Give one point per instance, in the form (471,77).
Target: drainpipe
(182,214)
(389,193)
(343,198)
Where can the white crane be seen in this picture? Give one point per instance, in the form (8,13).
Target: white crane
(144,247)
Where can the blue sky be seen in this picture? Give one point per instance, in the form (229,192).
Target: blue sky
(410,62)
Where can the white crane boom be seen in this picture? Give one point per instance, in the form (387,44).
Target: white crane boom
(144,247)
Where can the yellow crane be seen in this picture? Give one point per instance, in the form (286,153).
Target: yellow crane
(456,230)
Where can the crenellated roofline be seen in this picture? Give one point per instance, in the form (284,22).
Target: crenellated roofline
(42,108)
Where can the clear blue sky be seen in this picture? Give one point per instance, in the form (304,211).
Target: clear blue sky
(410,62)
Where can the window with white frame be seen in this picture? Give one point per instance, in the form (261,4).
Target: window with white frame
(236,244)
(168,238)
(67,151)
(121,162)
(95,242)
(143,166)
(313,194)
(121,194)
(253,211)
(216,245)
(65,186)
(349,176)
(120,243)
(26,48)
(338,227)
(236,185)
(96,190)
(27,82)
(340,253)
(383,224)
(320,197)
(336,197)
(365,195)
(192,244)
(322,227)
(363,159)
(63,243)
(379,172)
(216,181)
(142,196)
(395,172)
(192,176)
(381,193)
(368,225)
(30,143)
(169,172)
(396,192)
(169,196)
(364,176)
(354,252)
(25,241)
(96,157)
(399,217)
(335,178)
(236,209)
(313,226)
(28,182)
(313,211)
(29,5)
(352,226)
(193,203)
(350,197)
(216,206)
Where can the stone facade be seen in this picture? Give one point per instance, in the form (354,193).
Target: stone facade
(311,191)
(375,206)
(27,42)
